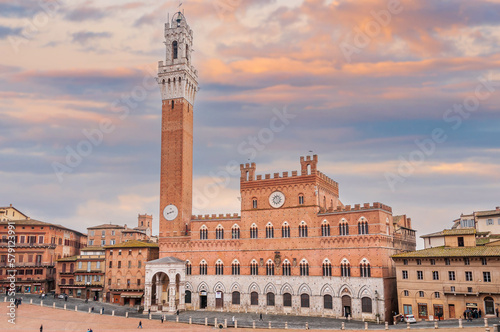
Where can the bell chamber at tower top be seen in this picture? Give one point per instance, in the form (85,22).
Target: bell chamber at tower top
(177,77)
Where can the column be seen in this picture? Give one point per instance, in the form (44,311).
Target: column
(158,290)
(171,298)
(147,296)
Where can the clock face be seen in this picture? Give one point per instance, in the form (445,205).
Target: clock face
(170,212)
(277,199)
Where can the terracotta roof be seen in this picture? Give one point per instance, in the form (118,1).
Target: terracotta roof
(488,213)
(452,252)
(40,223)
(459,231)
(103,226)
(440,233)
(92,248)
(132,231)
(133,244)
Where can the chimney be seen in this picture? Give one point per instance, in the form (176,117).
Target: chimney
(10,204)
(125,226)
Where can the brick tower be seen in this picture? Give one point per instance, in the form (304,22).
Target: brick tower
(178,84)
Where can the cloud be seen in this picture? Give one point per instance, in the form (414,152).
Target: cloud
(83,37)
(85,12)
(7,31)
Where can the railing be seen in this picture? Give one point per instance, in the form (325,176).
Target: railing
(476,289)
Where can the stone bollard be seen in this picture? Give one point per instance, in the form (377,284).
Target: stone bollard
(253,324)
(190,320)
(495,328)
(5,299)
(286,325)
(41,303)
(235,324)
(225,323)
(149,316)
(177,319)
(408,325)
(487,329)
(486,322)
(31,301)
(307,326)
(343,326)
(460,326)
(112,313)
(76,308)
(436,324)
(270,324)
(64,306)
(89,310)
(126,314)
(215,324)
(366,326)
(54,305)
(386,325)
(206,321)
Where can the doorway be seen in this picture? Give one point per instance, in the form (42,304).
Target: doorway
(219,299)
(346,305)
(489,306)
(422,311)
(451,310)
(203,300)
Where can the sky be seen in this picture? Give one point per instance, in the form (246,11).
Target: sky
(399,100)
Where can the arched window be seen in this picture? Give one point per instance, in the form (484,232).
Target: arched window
(343,227)
(269,231)
(254,200)
(303,229)
(219,268)
(71,281)
(188,268)
(219,232)
(270,299)
(366,305)
(304,300)
(187,297)
(203,267)
(304,268)
(64,268)
(175,50)
(287,300)
(235,268)
(325,228)
(285,230)
(203,232)
(345,268)
(301,199)
(254,268)
(327,302)
(187,51)
(254,231)
(254,298)
(363,227)
(364,269)
(270,268)
(63,281)
(286,267)
(327,268)
(235,298)
(235,232)
(173,102)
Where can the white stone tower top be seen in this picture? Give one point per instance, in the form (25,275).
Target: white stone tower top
(176,76)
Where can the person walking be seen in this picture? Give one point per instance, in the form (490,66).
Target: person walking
(149,311)
(140,325)
(41,328)
(162,319)
(480,312)
(260,317)
(496,311)
(177,313)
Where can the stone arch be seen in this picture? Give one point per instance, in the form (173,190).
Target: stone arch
(304,289)
(219,286)
(364,260)
(362,218)
(254,288)
(270,288)
(365,292)
(327,290)
(188,286)
(203,287)
(286,288)
(345,289)
(235,287)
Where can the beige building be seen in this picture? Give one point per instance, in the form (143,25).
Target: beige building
(11,213)
(462,273)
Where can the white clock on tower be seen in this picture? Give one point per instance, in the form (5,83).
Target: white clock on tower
(277,199)
(170,212)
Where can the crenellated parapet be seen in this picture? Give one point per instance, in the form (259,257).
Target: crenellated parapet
(220,216)
(359,207)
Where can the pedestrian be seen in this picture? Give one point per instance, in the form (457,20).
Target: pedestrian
(140,325)
(149,311)
(41,328)
(233,319)
(102,311)
(92,309)
(177,313)
(479,312)
(162,319)
(91,330)
(497,311)
(260,317)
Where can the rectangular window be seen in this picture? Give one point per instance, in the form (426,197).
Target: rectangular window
(79,264)
(110,264)
(452,288)
(406,293)
(40,239)
(484,261)
(92,233)
(405,262)
(129,264)
(139,264)
(119,264)
(419,262)
(435,275)
(436,295)
(469,289)
(103,233)
(421,293)
(407,309)
(451,275)
(486,276)
(468,275)
(420,275)
(466,261)
(405,274)
(138,282)
(447,261)
(89,265)
(433,262)
(98,265)
(460,241)
(112,232)
(103,242)
(489,222)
